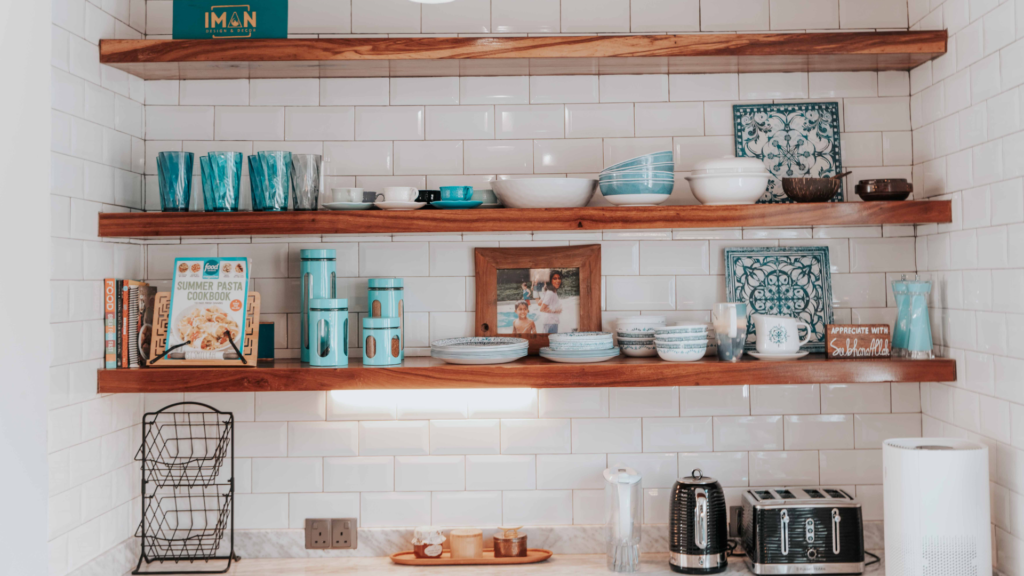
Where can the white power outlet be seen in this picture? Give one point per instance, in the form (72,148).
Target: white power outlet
(318,533)
(344,534)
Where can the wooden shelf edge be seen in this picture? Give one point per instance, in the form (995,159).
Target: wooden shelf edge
(534,55)
(158,224)
(532,372)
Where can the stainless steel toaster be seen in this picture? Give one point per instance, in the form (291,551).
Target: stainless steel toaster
(802,530)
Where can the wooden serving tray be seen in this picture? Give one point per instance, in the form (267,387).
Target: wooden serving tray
(410,559)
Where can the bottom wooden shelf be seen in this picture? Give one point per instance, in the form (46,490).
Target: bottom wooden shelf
(531,372)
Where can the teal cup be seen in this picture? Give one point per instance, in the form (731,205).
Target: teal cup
(257,183)
(276,167)
(328,332)
(382,342)
(225,181)
(174,174)
(456,193)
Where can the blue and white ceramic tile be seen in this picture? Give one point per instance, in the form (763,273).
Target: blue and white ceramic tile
(793,140)
(788,281)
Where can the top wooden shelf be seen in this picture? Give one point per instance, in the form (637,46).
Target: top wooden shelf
(158,224)
(518,56)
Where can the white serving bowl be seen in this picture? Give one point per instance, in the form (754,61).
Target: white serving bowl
(545,192)
(726,189)
(681,355)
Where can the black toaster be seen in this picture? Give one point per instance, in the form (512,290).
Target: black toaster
(802,530)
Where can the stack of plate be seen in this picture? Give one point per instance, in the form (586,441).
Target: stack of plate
(480,350)
(580,347)
(682,342)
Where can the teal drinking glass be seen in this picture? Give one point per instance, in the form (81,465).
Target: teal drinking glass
(257,185)
(174,173)
(226,179)
(277,179)
(207,176)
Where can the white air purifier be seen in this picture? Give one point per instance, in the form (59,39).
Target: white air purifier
(936,507)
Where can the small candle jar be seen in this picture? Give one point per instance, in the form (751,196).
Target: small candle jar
(328,332)
(427,542)
(467,543)
(382,342)
(509,544)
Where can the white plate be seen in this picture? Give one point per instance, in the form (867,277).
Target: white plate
(481,361)
(580,359)
(399,205)
(778,357)
(348,205)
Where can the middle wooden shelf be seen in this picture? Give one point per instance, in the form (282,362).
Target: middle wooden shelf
(160,224)
(530,372)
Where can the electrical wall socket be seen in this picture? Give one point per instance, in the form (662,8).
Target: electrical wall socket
(344,534)
(318,533)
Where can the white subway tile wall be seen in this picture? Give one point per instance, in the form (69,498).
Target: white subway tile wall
(967,147)
(490,456)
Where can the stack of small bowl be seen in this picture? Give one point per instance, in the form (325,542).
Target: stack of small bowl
(580,347)
(636,335)
(682,342)
(642,181)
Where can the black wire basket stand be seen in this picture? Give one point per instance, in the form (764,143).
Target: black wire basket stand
(188,489)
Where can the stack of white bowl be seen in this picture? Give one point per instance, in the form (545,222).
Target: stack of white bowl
(728,180)
(646,180)
(636,335)
(580,347)
(682,342)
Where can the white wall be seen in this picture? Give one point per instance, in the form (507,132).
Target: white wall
(96,164)
(969,148)
(24,300)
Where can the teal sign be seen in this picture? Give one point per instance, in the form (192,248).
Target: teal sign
(212,19)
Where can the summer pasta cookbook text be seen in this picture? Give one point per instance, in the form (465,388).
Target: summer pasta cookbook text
(208,306)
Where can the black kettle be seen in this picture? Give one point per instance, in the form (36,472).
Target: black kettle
(698,535)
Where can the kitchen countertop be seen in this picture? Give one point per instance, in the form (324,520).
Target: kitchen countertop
(565,564)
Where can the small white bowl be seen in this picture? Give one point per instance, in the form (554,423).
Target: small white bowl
(681,355)
(726,189)
(638,350)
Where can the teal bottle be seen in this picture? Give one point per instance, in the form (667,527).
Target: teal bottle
(317,275)
(328,332)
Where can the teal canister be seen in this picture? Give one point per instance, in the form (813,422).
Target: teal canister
(318,271)
(387,300)
(328,332)
(382,342)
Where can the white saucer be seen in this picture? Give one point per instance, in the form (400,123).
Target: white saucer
(778,357)
(348,205)
(399,205)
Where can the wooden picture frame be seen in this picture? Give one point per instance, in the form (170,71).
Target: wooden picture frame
(490,260)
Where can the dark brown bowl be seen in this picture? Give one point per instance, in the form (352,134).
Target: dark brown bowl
(810,189)
(890,189)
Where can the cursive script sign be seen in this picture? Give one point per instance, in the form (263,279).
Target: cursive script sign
(857,341)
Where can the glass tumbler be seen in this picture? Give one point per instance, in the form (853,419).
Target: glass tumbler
(174,172)
(226,180)
(730,321)
(305,181)
(276,166)
(257,186)
(207,176)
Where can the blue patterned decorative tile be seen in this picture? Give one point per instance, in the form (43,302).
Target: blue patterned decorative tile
(789,281)
(792,140)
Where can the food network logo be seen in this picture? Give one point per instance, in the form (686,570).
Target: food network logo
(231,21)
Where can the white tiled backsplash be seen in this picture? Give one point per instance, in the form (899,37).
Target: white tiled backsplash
(968,148)
(505,456)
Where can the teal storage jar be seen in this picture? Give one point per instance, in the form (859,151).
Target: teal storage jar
(382,342)
(387,300)
(328,332)
(317,275)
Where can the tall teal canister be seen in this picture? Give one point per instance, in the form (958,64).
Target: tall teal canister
(387,300)
(382,342)
(318,272)
(328,332)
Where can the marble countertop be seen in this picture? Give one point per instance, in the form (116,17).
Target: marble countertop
(558,565)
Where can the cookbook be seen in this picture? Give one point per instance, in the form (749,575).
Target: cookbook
(207,313)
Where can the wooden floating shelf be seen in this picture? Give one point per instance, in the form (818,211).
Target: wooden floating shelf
(517,56)
(530,372)
(157,224)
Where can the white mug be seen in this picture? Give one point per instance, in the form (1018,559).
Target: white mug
(778,334)
(347,194)
(400,194)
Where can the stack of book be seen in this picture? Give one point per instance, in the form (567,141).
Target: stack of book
(127,323)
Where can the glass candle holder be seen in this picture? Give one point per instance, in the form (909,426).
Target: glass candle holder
(174,173)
